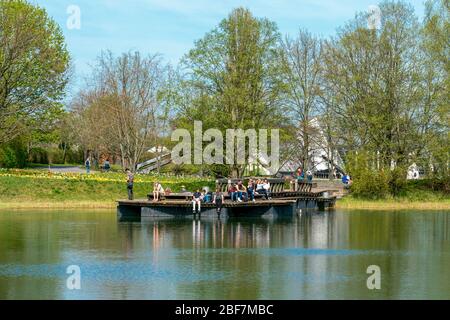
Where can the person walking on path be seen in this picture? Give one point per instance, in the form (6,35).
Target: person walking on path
(87,163)
(106,166)
(130,183)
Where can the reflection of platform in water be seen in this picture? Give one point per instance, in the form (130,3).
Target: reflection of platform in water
(280,206)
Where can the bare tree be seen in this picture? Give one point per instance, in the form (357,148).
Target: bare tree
(124,108)
(302,64)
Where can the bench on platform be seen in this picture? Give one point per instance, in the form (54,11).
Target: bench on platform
(173,196)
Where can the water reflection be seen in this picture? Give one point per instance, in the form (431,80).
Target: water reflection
(313,256)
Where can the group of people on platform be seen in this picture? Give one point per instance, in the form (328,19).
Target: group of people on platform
(299,176)
(238,193)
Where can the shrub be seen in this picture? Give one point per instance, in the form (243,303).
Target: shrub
(371,183)
(397,181)
(8,158)
(55,155)
(38,155)
(13,155)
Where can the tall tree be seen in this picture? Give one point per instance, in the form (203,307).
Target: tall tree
(34,66)
(236,71)
(303,67)
(436,81)
(375,76)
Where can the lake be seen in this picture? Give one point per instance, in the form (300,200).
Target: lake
(314,256)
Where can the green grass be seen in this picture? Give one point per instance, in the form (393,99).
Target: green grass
(39,188)
(416,195)
(24,188)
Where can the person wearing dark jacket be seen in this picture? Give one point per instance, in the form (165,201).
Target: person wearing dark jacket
(130,183)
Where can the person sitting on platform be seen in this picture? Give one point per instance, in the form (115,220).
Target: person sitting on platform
(251,191)
(242,192)
(158,191)
(218,200)
(233,192)
(206,196)
(260,188)
(196,199)
(266,187)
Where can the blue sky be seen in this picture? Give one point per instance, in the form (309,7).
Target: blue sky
(170,27)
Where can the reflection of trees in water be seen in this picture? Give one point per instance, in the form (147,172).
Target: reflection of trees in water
(240,258)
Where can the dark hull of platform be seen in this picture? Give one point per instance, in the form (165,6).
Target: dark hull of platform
(262,208)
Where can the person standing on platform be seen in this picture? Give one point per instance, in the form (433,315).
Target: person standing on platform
(130,183)
(309,176)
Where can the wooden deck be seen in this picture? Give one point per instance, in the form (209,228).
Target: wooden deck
(285,203)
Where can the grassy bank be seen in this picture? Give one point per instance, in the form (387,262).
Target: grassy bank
(27,189)
(412,200)
(38,189)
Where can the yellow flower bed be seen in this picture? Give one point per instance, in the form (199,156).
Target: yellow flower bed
(97,177)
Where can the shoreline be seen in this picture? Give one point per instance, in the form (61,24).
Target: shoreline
(24,205)
(346,204)
(395,206)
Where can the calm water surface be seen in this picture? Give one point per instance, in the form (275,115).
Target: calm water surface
(315,256)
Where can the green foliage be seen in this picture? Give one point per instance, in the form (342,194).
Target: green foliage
(435,184)
(371,183)
(38,155)
(13,155)
(235,79)
(397,181)
(34,63)
(8,158)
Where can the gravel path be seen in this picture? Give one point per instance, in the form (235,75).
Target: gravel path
(57,169)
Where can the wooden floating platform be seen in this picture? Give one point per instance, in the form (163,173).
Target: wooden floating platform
(226,204)
(285,203)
